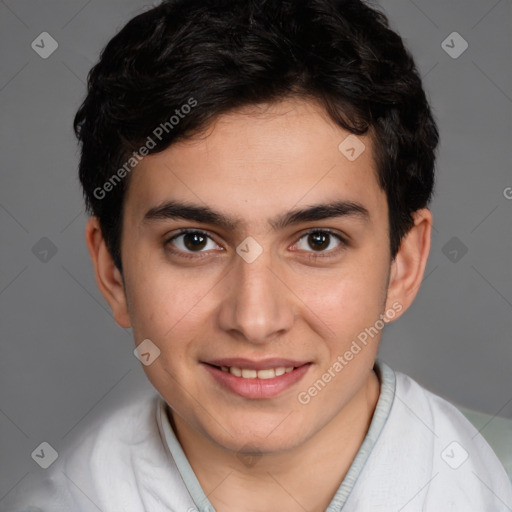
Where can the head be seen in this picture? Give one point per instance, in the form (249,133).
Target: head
(230,119)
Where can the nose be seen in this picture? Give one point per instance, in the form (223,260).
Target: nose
(258,306)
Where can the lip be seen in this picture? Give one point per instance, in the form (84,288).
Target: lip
(256,388)
(263,364)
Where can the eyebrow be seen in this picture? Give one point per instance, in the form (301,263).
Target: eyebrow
(171,210)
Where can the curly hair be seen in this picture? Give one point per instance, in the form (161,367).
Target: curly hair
(226,54)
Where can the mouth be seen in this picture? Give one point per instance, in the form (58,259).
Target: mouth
(264,374)
(257,379)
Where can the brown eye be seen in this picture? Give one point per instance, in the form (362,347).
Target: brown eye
(193,241)
(320,241)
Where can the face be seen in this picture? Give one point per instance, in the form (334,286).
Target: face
(254,256)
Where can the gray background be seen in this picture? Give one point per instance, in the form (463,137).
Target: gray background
(64,361)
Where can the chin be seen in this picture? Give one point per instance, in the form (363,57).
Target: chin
(260,436)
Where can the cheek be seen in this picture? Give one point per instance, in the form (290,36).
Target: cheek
(162,302)
(347,301)
(171,313)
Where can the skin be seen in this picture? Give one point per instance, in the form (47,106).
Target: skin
(255,165)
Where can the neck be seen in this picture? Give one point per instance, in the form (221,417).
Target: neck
(303,478)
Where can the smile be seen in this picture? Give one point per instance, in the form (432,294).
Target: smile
(247,373)
(256,379)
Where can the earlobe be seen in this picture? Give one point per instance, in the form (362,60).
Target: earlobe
(408,267)
(108,277)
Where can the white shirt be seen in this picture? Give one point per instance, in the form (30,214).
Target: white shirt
(420,454)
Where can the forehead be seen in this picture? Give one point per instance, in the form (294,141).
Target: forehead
(259,162)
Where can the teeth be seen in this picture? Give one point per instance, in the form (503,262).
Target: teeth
(235,371)
(246,373)
(266,374)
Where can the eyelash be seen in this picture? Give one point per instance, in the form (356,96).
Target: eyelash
(313,256)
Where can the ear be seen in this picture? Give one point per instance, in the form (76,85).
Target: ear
(408,267)
(108,277)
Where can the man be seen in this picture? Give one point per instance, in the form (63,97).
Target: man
(258,175)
